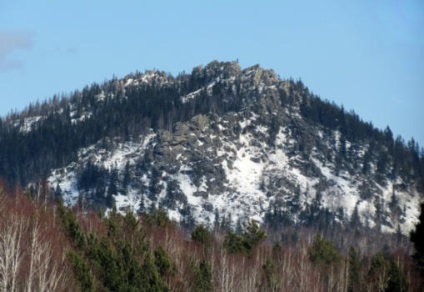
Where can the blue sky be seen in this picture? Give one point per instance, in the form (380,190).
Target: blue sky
(365,55)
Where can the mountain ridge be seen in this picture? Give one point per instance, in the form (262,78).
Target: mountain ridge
(240,143)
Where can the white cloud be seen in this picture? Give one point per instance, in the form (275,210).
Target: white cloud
(11,41)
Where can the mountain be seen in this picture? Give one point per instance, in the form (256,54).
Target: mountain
(220,145)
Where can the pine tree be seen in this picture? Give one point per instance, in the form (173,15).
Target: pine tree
(247,241)
(216,221)
(155,187)
(152,281)
(127,178)
(234,243)
(112,188)
(323,252)
(254,234)
(378,273)
(71,225)
(393,200)
(397,280)
(203,277)
(355,221)
(163,262)
(270,282)
(378,212)
(202,236)
(354,282)
(81,271)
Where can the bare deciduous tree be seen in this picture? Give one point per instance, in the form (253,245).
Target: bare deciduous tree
(11,252)
(44,273)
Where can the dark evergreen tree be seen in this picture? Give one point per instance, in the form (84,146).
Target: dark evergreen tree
(201,235)
(355,220)
(216,222)
(393,200)
(378,213)
(378,273)
(270,282)
(187,220)
(112,189)
(152,281)
(155,186)
(396,279)
(126,179)
(81,271)
(245,242)
(202,277)
(234,243)
(163,262)
(253,234)
(354,280)
(58,192)
(417,238)
(323,252)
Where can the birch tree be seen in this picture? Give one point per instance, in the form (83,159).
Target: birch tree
(44,273)
(11,253)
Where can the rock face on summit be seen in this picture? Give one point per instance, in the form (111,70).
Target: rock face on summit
(226,143)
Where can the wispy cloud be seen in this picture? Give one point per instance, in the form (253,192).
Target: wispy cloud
(11,41)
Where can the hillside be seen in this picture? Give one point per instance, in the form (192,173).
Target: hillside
(221,145)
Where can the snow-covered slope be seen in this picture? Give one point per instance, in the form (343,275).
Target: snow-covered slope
(202,171)
(218,144)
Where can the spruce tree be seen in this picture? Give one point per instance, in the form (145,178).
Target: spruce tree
(203,277)
(151,277)
(163,262)
(81,271)
(323,252)
(397,280)
(202,236)
(354,269)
